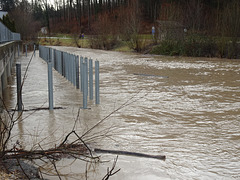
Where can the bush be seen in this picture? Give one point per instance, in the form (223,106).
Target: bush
(199,46)
(171,48)
(137,43)
(103,42)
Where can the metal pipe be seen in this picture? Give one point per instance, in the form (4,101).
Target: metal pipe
(34,50)
(85,87)
(90,79)
(81,72)
(97,82)
(26,49)
(77,71)
(18,50)
(86,60)
(19,86)
(50,83)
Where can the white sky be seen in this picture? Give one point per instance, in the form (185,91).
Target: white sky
(49,1)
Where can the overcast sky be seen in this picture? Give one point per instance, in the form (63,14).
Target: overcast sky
(49,1)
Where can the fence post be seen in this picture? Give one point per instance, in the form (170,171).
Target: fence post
(85,85)
(40,51)
(50,83)
(90,79)
(73,67)
(67,65)
(18,50)
(55,59)
(26,49)
(86,60)
(77,71)
(81,72)
(63,65)
(19,88)
(97,82)
(34,48)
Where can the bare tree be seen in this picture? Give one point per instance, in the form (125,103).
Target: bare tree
(23,17)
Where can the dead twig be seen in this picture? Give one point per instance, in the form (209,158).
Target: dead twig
(22,169)
(53,163)
(111,172)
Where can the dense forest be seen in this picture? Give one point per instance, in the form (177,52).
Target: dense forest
(124,17)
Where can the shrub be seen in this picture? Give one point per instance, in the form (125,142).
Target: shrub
(199,46)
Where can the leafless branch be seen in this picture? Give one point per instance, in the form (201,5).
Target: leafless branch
(22,169)
(111,172)
(53,163)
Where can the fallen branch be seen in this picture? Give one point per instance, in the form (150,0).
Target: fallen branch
(39,109)
(127,153)
(55,153)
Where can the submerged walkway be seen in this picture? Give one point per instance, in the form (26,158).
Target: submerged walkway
(38,120)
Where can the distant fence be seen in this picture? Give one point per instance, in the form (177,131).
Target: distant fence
(80,74)
(6,35)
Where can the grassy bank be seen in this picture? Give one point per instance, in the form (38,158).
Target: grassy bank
(63,40)
(192,45)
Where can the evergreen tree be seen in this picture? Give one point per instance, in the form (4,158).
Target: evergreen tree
(8,23)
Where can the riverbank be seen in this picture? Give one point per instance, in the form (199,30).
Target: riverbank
(192,45)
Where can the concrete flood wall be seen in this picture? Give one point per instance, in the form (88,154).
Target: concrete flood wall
(8,53)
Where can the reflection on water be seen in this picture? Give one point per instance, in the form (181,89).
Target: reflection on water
(192,117)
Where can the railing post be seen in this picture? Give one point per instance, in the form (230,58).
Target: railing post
(34,49)
(73,70)
(90,79)
(63,65)
(26,49)
(18,50)
(86,60)
(97,82)
(19,86)
(50,83)
(67,66)
(85,85)
(77,71)
(81,72)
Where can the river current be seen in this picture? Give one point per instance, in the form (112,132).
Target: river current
(185,108)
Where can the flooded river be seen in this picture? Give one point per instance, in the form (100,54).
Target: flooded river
(185,108)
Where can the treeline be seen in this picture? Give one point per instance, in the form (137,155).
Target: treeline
(126,19)
(211,17)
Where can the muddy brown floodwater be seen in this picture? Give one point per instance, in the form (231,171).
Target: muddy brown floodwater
(191,115)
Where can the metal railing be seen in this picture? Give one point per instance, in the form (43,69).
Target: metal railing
(6,35)
(80,74)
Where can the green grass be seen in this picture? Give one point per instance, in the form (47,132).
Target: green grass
(64,42)
(122,47)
